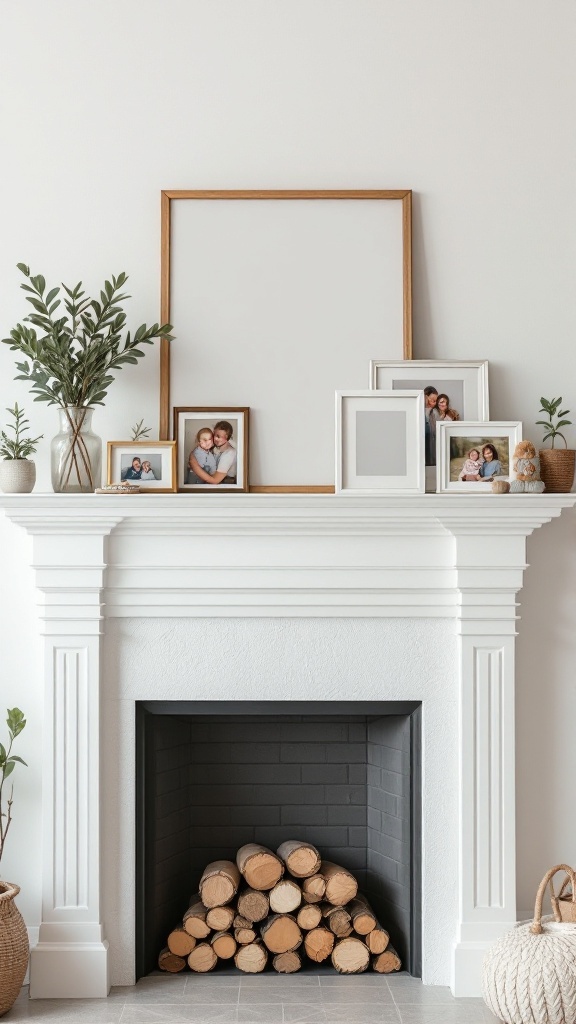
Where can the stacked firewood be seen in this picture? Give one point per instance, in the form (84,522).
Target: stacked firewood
(283,906)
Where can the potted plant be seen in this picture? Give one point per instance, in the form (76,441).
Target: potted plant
(556,464)
(72,363)
(17,472)
(13,935)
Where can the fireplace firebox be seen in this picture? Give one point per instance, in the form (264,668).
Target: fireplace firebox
(213,776)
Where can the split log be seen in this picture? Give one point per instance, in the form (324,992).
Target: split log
(244,936)
(195,919)
(260,867)
(253,905)
(220,918)
(319,943)
(313,889)
(337,919)
(350,956)
(301,859)
(287,963)
(377,940)
(202,959)
(309,916)
(219,883)
(281,933)
(341,886)
(251,959)
(168,961)
(181,942)
(362,917)
(224,945)
(385,963)
(285,896)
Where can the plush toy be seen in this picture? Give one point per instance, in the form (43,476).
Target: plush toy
(527,469)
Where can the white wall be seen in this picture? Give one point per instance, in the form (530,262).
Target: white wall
(470,104)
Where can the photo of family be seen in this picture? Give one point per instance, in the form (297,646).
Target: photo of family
(212,448)
(478,459)
(140,467)
(438,405)
(147,465)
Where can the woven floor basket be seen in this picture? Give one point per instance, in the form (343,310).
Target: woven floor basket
(13,947)
(530,973)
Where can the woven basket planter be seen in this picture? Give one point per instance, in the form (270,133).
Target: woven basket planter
(530,973)
(557,469)
(13,947)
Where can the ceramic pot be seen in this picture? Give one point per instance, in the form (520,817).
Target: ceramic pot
(557,469)
(17,476)
(13,947)
(76,453)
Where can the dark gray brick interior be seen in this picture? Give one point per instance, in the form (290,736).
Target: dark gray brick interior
(341,782)
(389,823)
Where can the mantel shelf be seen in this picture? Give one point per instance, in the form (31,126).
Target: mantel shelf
(303,514)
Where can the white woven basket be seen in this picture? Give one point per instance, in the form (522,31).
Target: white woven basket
(530,973)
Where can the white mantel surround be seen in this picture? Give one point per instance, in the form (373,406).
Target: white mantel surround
(441,570)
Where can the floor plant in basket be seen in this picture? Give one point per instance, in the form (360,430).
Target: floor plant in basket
(13,934)
(71,361)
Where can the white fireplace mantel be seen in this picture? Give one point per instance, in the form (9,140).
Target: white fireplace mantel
(102,557)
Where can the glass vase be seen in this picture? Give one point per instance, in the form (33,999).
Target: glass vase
(76,453)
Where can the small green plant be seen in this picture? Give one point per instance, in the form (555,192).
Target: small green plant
(551,429)
(8,762)
(19,446)
(139,431)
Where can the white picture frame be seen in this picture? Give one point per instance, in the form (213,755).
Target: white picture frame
(456,441)
(379,442)
(464,381)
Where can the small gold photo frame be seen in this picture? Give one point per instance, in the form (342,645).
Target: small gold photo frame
(149,465)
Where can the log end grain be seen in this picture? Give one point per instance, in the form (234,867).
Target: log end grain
(350,956)
(287,963)
(387,962)
(202,959)
(319,943)
(252,958)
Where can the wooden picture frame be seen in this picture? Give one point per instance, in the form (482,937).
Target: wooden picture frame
(193,256)
(120,451)
(188,422)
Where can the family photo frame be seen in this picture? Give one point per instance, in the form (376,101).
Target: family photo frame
(149,465)
(473,454)
(453,390)
(379,442)
(212,445)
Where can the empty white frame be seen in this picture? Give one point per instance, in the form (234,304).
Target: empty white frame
(471,454)
(464,381)
(379,442)
(280,298)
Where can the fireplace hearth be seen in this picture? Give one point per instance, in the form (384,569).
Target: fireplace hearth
(342,776)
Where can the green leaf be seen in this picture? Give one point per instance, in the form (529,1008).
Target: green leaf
(564,423)
(14,757)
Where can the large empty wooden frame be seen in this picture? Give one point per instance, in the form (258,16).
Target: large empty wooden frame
(279,299)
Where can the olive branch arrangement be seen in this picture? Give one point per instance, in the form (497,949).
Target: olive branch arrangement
(8,762)
(71,363)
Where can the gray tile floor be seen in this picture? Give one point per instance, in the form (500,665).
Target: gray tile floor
(261,999)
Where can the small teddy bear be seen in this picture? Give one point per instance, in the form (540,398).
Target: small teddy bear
(526,466)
